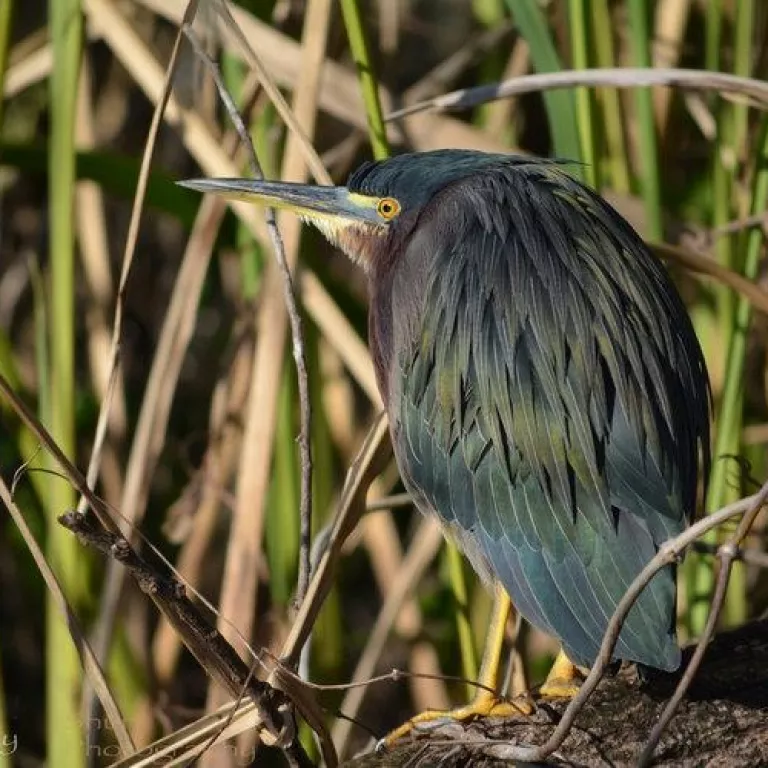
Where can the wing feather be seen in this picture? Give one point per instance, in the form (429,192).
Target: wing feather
(552,404)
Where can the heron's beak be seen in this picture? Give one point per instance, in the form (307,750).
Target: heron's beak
(320,205)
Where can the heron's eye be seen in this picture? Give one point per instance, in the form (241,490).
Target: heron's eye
(388,208)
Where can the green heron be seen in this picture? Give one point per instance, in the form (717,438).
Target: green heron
(547,397)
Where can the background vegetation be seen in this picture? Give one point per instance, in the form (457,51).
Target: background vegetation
(200,452)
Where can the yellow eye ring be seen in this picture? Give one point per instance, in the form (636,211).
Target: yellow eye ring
(388,208)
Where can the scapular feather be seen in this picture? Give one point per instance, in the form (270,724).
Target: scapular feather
(547,395)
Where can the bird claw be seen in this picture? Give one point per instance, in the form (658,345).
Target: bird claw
(485,705)
(558,688)
(563,681)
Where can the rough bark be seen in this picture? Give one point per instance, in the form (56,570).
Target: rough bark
(723,721)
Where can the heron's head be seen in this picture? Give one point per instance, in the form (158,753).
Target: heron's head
(379,199)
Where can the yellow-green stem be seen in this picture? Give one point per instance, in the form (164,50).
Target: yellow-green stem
(561,111)
(713,26)
(613,126)
(732,321)
(640,36)
(463,625)
(282,524)
(489,15)
(358,46)
(584,97)
(369,87)
(735,607)
(713,325)
(63,731)
(330,645)
(6,17)
(328,654)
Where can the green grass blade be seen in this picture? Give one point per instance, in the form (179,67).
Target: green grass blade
(8,367)
(282,523)
(328,654)
(116,173)
(580,45)
(455,562)
(490,14)
(358,45)
(713,325)
(6,17)
(330,644)
(732,318)
(735,609)
(651,184)
(713,28)
(613,127)
(6,354)
(561,109)
(63,677)
(27,443)
(731,412)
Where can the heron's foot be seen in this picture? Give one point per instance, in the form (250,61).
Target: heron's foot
(563,681)
(484,705)
(559,689)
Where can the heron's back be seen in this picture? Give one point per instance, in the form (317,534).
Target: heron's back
(548,400)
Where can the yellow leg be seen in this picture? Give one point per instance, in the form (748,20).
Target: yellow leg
(486,702)
(494,644)
(563,680)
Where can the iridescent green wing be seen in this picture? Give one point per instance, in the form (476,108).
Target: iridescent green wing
(553,402)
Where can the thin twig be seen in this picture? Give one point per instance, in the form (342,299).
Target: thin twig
(390,502)
(218,465)
(615,77)
(755,557)
(727,553)
(374,453)
(395,675)
(668,553)
(114,581)
(294,317)
(170,595)
(453,67)
(130,247)
(426,544)
(168,592)
(693,666)
(94,255)
(705,265)
(206,644)
(238,594)
(287,115)
(93,670)
(369,87)
(739,225)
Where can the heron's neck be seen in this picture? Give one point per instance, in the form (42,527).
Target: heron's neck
(380,330)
